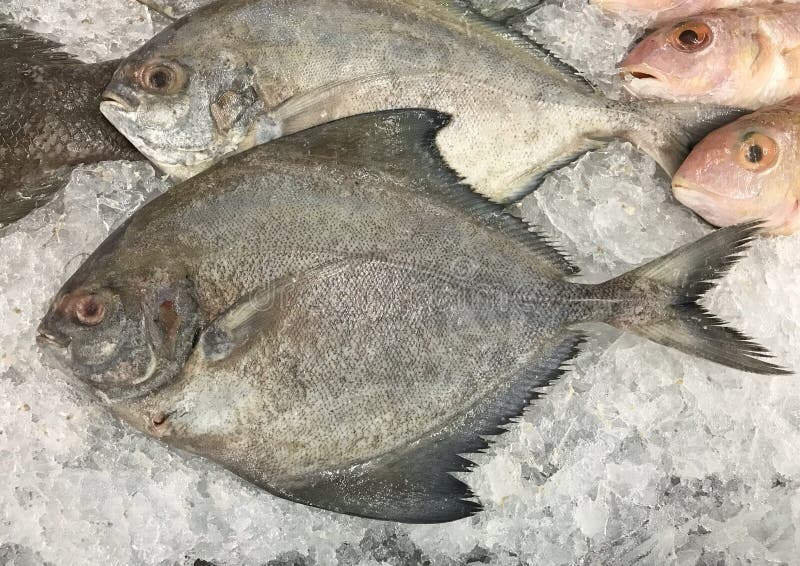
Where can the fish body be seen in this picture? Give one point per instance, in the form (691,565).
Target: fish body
(302,315)
(746,171)
(50,120)
(269,68)
(747,57)
(660,11)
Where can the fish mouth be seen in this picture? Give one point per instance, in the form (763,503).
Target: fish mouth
(633,73)
(119,101)
(48,337)
(715,209)
(690,195)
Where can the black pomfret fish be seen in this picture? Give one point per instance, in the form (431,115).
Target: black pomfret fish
(338,319)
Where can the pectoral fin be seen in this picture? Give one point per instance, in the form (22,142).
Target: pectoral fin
(532,179)
(255,313)
(325,103)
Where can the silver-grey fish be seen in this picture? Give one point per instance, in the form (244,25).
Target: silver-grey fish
(237,73)
(302,315)
(50,120)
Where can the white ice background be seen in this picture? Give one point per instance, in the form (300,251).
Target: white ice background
(640,455)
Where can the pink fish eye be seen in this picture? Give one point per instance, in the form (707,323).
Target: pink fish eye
(757,152)
(690,36)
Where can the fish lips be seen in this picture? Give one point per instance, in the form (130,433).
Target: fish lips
(49,337)
(640,78)
(715,209)
(54,347)
(120,98)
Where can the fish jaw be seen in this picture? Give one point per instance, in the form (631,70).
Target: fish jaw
(715,209)
(178,164)
(642,80)
(54,346)
(182,163)
(718,210)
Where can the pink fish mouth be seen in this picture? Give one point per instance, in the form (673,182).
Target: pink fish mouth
(712,208)
(639,72)
(720,210)
(640,78)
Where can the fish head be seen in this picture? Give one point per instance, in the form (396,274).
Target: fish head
(690,60)
(746,171)
(123,334)
(186,105)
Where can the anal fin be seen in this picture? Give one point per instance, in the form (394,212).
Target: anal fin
(416,485)
(532,179)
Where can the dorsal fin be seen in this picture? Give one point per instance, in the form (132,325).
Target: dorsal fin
(402,142)
(22,45)
(466,12)
(507,16)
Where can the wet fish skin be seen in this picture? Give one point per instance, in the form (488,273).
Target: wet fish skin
(746,57)
(50,120)
(746,171)
(269,68)
(301,315)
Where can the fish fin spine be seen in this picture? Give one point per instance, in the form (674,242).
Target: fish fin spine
(17,43)
(568,72)
(416,484)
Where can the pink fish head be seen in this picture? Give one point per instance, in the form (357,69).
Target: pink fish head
(747,170)
(698,59)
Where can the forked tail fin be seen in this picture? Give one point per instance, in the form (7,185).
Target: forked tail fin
(673,284)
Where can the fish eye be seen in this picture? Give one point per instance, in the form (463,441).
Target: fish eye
(162,78)
(89,310)
(757,152)
(691,36)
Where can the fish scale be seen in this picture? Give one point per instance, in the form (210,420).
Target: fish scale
(268,69)
(50,120)
(340,320)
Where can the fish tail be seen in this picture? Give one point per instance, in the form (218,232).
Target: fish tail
(660,302)
(666,131)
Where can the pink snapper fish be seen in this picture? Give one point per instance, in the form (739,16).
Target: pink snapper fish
(747,57)
(747,170)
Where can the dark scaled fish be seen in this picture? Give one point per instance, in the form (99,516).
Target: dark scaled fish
(337,319)
(49,120)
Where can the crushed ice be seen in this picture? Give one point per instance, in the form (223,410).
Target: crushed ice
(639,455)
